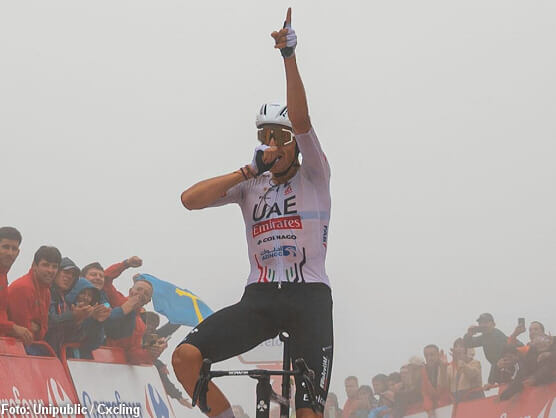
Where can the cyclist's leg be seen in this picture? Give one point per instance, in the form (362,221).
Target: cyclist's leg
(312,339)
(225,334)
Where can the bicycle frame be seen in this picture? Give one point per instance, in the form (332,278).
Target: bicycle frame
(265,394)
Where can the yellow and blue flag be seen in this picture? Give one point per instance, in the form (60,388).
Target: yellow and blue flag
(180,306)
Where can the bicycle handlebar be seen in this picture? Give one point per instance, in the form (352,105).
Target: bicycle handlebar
(306,375)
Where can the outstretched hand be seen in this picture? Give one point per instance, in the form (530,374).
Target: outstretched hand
(285,39)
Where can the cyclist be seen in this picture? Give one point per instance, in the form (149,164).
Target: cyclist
(286,209)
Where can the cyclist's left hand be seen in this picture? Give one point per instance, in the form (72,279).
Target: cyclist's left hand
(285,39)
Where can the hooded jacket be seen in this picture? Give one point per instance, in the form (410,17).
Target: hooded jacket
(6,326)
(29,301)
(89,332)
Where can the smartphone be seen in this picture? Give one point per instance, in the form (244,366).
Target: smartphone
(521,322)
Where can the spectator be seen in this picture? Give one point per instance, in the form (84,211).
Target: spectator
(10,240)
(84,297)
(507,367)
(29,296)
(140,293)
(491,339)
(352,386)
(538,366)
(535,329)
(394,381)
(464,374)
(121,322)
(61,319)
(332,407)
(380,384)
(152,336)
(434,387)
(365,402)
(408,391)
(385,397)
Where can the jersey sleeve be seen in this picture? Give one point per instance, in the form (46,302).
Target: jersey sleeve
(314,161)
(233,195)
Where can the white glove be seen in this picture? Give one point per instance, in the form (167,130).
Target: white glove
(291,42)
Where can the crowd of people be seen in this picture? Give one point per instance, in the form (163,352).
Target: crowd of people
(436,381)
(76,310)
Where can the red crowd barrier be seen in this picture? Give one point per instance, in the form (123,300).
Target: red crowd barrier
(29,382)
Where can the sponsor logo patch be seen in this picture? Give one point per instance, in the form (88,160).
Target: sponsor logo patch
(283,251)
(276,237)
(286,222)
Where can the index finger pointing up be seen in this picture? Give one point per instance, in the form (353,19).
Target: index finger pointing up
(289,16)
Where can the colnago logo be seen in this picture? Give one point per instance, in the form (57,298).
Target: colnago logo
(286,222)
(283,251)
(277,237)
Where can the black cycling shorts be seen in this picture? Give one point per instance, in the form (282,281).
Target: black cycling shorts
(303,310)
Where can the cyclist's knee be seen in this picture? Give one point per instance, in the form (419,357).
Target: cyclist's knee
(186,359)
(307,413)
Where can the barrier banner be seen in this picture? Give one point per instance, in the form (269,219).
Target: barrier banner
(119,390)
(35,387)
(534,402)
(442,412)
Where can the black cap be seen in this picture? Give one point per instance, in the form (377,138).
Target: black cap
(68,264)
(485,317)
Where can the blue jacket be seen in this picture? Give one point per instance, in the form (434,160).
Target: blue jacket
(60,320)
(118,325)
(90,333)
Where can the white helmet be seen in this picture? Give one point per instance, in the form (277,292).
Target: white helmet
(273,113)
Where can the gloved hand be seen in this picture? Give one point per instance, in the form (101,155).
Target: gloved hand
(258,165)
(285,38)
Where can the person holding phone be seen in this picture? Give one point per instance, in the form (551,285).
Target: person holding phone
(286,209)
(491,339)
(535,329)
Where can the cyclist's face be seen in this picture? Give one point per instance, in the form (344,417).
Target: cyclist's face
(283,141)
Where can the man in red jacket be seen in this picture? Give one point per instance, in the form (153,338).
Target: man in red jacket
(29,296)
(140,294)
(10,240)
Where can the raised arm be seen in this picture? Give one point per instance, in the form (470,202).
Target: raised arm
(298,112)
(314,163)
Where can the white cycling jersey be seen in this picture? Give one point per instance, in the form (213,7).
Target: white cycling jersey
(286,225)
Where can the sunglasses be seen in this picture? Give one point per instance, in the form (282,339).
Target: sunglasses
(281,136)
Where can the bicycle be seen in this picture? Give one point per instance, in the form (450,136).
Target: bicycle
(265,393)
